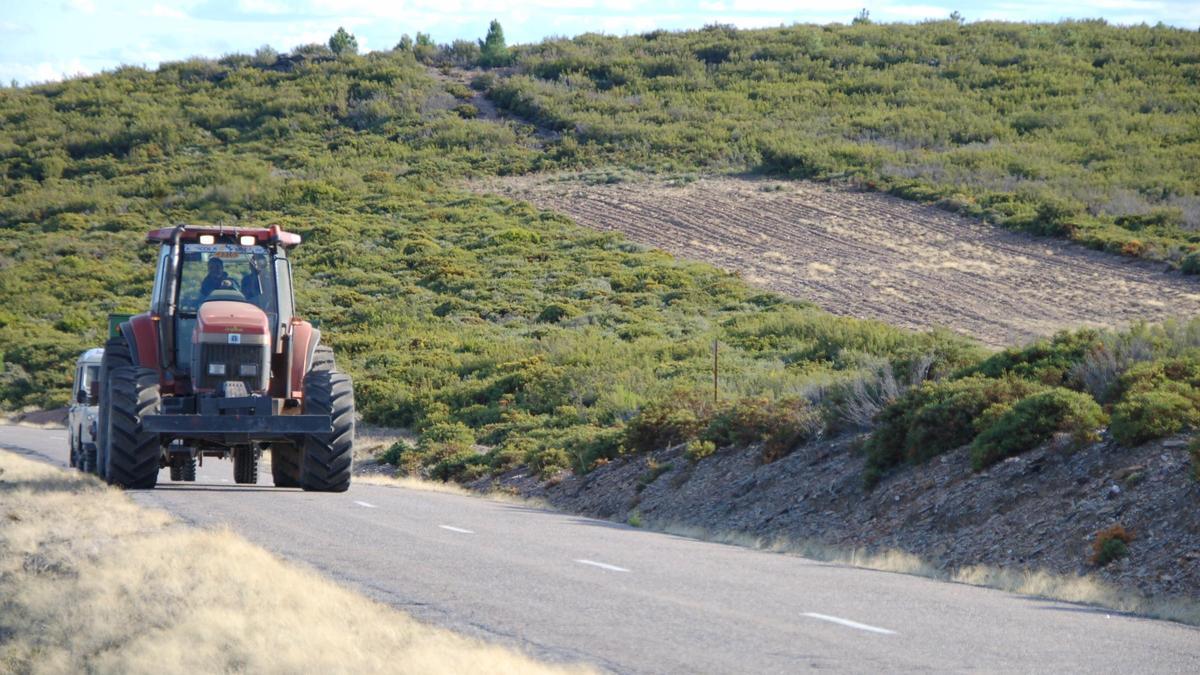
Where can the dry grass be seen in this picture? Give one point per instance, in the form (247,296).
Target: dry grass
(90,582)
(1037,583)
(411,483)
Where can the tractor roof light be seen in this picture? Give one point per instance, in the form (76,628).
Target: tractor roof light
(247,240)
(208,239)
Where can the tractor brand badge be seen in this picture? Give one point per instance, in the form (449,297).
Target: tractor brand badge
(235,338)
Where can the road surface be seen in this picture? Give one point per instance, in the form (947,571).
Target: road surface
(565,588)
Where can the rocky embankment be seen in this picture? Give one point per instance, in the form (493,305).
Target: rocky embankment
(1039,511)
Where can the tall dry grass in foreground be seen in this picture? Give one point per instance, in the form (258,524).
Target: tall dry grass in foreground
(91,582)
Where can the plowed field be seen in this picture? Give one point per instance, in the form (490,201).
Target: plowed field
(873,256)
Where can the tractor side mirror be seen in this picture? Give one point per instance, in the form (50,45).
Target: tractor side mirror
(81,397)
(93,393)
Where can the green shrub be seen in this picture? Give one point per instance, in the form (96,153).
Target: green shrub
(1145,415)
(549,461)
(1194,451)
(1047,361)
(679,418)
(1033,420)
(1151,375)
(937,417)
(1110,544)
(779,425)
(394,452)
(698,450)
(1190,264)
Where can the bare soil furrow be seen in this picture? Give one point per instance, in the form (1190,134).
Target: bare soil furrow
(873,256)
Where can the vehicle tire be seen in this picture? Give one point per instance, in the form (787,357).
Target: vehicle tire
(245,465)
(285,465)
(326,464)
(322,359)
(187,470)
(87,459)
(73,453)
(176,473)
(133,455)
(116,355)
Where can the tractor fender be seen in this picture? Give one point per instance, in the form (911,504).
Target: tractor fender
(304,343)
(142,334)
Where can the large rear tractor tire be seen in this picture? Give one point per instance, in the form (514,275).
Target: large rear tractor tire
(245,465)
(327,459)
(285,465)
(116,355)
(133,455)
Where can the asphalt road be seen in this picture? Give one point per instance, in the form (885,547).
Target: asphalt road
(565,588)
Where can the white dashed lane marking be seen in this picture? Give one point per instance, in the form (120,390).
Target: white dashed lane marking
(849,623)
(455,529)
(603,566)
(366,505)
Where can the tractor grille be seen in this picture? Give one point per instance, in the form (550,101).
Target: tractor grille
(234,357)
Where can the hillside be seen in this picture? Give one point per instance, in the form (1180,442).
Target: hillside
(506,335)
(1077,129)
(472,319)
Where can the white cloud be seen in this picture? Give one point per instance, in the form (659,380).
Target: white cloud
(165,12)
(80,6)
(914,12)
(44,71)
(263,7)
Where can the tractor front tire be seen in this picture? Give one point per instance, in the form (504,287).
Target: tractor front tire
(285,465)
(116,355)
(133,455)
(245,466)
(327,460)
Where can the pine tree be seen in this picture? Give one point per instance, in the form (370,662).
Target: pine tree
(493,51)
(343,42)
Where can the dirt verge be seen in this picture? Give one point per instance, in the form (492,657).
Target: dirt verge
(870,255)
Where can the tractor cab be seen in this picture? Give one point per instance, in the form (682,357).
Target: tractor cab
(199,267)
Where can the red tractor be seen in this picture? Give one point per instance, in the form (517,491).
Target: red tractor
(221,367)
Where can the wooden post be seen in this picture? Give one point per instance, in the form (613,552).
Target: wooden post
(714,371)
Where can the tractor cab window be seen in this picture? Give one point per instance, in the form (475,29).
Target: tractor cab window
(226,272)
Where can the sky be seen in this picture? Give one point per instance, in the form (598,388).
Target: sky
(45,40)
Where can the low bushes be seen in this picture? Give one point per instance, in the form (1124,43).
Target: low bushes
(1146,415)
(1033,420)
(690,418)
(934,418)
(1156,399)
(1147,377)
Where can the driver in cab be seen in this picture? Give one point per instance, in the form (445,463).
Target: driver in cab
(217,279)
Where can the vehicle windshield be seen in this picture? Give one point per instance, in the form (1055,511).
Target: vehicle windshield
(240,273)
(89,375)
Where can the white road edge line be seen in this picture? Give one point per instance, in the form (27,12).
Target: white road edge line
(851,624)
(366,505)
(603,566)
(455,529)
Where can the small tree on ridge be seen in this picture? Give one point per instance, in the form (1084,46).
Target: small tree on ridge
(343,42)
(493,50)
